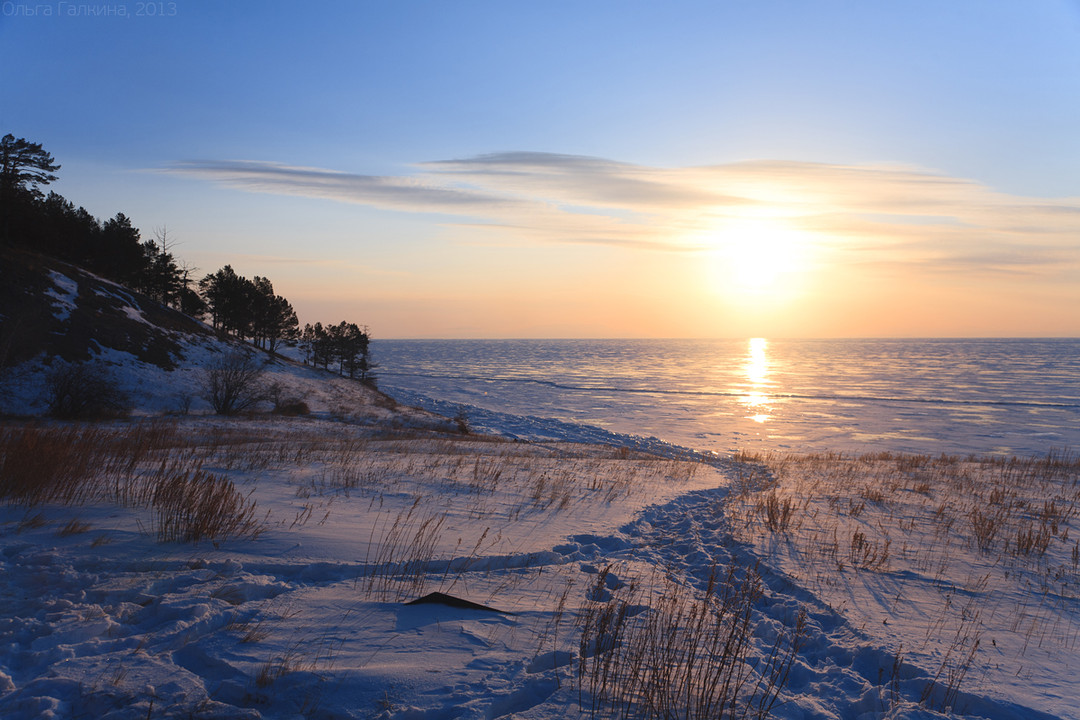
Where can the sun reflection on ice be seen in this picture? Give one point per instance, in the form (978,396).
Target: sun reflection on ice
(756,369)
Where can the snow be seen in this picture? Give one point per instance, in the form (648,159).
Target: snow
(154,391)
(65,294)
(939,559)
(307,619)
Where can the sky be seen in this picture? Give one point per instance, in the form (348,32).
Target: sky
(460,169)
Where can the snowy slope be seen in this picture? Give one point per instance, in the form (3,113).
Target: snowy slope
(153,355)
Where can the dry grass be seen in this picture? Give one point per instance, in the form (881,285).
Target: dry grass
(400,560)
(192,480)
(681,653)
(1013,511)
(71,464)
(73,527)
(957,526)
(193,505)
(179,471)
(139,465)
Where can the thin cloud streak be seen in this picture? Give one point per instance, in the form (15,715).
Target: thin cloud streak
(588,181)
(399,193)
(871,214)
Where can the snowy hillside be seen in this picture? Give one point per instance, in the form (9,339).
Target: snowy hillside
(55,315)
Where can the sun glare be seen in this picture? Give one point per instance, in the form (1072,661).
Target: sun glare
(756,370)
(760,255)
(757,364)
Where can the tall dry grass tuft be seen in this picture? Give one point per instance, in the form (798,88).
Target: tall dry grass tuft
(401,552)
(191,506)
(139,465)
(688,656)
(777,512)
(76,463)
(50,464)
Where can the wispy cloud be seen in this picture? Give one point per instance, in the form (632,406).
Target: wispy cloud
(398,193)
(584,181)
(861,214)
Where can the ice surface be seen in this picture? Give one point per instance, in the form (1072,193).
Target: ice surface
(924,396)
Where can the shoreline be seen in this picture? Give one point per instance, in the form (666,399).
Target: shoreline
(535,428)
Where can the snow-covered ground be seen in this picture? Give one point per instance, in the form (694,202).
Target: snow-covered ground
(306,618)
(968,568)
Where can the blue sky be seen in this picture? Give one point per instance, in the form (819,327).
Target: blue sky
(584,169)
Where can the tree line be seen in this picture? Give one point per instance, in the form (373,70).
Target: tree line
(247,309)
(345,344)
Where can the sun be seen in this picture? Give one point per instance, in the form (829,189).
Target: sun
(761,252)
(759,256)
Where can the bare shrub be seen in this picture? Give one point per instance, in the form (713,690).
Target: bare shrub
(9,335)
(284,403)
(183,403)
(383,401)
(84,391)
(461,420)
(232,384)
(293,408)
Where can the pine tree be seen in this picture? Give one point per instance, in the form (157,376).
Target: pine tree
(23,167)
(274,318)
